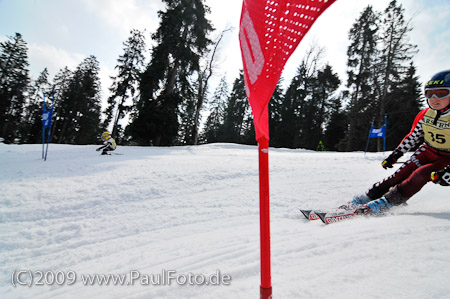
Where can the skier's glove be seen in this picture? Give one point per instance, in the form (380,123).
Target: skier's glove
(392,159)
(441,177)
(99,148)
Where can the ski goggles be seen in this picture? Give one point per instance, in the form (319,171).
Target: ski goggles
(438,93)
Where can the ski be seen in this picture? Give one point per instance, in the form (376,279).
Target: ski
(312,214)
(338,216)
(309,214)
(111,154)
(342,215)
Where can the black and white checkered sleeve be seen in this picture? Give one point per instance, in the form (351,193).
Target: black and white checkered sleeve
(412,139)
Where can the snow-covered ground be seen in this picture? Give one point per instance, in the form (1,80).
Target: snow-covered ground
(192,213)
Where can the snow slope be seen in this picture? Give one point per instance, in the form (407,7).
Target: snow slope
(195,210)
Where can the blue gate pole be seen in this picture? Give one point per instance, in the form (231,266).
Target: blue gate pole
(43,130)
(385,132)
(50,127)
(48,139)
(368,137)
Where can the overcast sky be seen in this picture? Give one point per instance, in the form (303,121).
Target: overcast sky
(63,32)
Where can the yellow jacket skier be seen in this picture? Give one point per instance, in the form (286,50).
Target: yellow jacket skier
(109,143)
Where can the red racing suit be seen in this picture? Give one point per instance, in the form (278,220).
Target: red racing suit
(432,131)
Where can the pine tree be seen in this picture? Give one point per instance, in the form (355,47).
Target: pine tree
(217,110)
(89,113)
(60,88)
(14,80)
(294,110)
(237,113)
(378,62)
(124,85)
(248,135)
(186,114)
(323,86)
(362,55)
(275,115)
(31,125)
(402,103)
(80,105)
(181,40)
(396,54)
(336,127)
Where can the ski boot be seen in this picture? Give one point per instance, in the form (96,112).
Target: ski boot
(374,207)
(356,202)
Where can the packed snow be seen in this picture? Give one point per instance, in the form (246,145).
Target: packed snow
(191,214)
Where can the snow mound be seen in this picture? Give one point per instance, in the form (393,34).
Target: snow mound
(193,213)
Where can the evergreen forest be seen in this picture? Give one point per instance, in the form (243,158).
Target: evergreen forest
(163,96)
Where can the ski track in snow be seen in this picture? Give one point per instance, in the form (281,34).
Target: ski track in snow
(196,210)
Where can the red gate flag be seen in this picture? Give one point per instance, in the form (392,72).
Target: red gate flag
(270,31)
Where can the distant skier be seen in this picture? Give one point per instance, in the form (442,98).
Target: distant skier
(430,162)
(109,143)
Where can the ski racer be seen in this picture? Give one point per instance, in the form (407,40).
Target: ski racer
(430,162)
(109,143)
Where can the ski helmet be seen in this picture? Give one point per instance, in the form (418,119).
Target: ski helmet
(105,136)
(438,86)
(440,81)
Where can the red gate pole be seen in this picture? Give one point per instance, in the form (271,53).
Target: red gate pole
(264,210)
